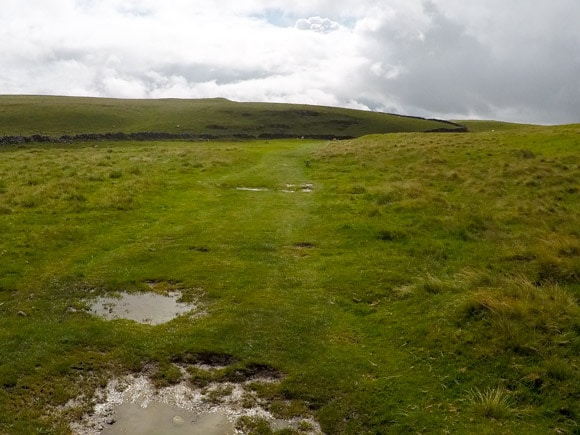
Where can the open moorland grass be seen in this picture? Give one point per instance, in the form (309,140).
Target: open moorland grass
(479,126)
(57,116)
(421,284)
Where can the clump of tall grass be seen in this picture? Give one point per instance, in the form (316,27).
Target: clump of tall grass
(432,284)
(522,317)
(435,285)
(493,403)
(558,260)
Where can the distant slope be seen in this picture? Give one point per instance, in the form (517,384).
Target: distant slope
(57,116)
(486,125)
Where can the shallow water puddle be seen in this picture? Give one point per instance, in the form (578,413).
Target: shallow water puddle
(253,189)
(160,418)
(288,188)
(148,308)
(305,188)
(133,405)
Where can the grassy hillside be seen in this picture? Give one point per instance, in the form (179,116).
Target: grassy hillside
(57,116)
(491,126)
(421,284)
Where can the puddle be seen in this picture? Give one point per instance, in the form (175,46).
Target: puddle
(160,418)
(305,188)
(133,405)
(148,308)
(288,188)
(253,189)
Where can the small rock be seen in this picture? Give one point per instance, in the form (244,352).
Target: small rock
(22,314)
(178,421)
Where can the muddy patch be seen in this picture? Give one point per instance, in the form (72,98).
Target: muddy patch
(148,308)
(132,404)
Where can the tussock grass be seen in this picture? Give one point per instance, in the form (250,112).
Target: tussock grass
(523,317)
(490,403)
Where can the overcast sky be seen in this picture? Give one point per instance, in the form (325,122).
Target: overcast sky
(514,60)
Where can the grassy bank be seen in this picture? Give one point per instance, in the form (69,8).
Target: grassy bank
(427,283)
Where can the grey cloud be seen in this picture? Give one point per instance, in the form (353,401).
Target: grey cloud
(448,71)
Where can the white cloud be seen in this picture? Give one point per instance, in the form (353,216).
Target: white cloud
(317,24)
(516,60)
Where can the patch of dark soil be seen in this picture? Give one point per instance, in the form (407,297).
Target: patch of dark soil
(198,249)
(304,245)
(253,371)
(209,358)
(390,235)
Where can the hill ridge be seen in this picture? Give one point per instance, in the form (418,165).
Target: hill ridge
(34,118)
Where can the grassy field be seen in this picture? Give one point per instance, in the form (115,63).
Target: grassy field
(480,126)
(57,116)
(426,284)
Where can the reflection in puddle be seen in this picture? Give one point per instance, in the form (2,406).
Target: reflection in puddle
(149,308)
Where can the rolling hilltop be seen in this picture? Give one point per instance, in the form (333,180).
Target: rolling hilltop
(208,118)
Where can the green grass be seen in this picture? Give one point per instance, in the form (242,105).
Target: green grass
(427,284)
(57,116)
(479,126)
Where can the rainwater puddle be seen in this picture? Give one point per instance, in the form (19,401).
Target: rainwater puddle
(288,188)
(305,188)
(133,405)
(160,418)
(253,189)
(148,308)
